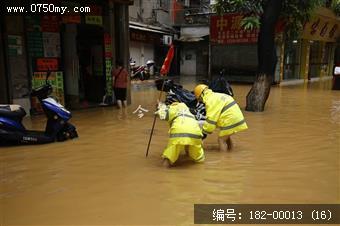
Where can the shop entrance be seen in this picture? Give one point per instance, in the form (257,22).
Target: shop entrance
(90,44)
(83,47)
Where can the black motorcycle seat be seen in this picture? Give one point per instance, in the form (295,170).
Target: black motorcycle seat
(12,111)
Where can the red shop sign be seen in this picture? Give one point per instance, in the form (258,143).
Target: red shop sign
(47,64)
(50,23)
(227,29)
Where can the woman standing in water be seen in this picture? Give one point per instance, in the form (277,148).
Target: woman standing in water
(120,78)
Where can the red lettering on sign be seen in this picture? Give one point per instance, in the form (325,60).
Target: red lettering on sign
(47,64)
(333,30)
(315,26)
(324,30)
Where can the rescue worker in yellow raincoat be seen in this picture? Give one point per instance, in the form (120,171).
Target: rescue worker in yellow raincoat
(185,133)
(222,111)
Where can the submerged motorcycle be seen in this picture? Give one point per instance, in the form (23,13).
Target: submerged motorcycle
(176,92)
(221,85)
(57,128)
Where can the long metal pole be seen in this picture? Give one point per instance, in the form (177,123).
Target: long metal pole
(154,120)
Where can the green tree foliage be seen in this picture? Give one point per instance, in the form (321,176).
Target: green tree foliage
(294,13)
(336,7)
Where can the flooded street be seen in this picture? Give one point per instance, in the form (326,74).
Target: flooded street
(289,154)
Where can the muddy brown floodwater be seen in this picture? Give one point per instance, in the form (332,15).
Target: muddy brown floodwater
(289,154)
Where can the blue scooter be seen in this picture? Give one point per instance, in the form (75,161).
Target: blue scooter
(57,128)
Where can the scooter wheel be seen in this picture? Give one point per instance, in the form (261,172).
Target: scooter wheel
(73,134)
(62,137)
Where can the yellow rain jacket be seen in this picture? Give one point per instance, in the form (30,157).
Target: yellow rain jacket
(184,131)
(223,112)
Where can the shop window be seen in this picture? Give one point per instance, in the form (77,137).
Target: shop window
(315,58)
(326,58)
(291,67)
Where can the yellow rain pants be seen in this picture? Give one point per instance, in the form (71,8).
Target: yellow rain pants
(184,131)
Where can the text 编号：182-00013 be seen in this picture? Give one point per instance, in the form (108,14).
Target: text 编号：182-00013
(267,214)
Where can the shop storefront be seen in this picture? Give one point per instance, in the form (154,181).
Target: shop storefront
(309,57)
(78,49)
(235,49)
(292,59)
(149,43)
(72,48)
(312,56)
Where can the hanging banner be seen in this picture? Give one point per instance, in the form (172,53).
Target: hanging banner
(227,29)
(95,16)
(14,45)
(146,37)
(108,63)
(50,23)
(107,45)
(95,20)
(71,17)
(35,44)
(47,64)
(51,43)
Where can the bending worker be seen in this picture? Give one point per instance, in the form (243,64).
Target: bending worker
(221,111)
(185,133)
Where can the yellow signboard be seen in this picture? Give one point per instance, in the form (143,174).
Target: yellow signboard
(95,20)
(323,26)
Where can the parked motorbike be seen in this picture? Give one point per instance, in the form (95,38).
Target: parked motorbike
(221,85)
(141,72)
(57,127)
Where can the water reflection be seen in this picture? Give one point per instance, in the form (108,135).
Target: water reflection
(290,154)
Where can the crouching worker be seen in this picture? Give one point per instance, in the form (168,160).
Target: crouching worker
(185,133)
(222,111)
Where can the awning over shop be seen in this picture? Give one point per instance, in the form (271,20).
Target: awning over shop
(190,39)
(149,28)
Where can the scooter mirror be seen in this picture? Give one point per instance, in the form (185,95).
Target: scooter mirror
(47,76)
(222,72)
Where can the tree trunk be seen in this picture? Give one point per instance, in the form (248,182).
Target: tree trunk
(259,93)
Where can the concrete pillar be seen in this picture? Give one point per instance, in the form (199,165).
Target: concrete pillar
(280,46)
(321,55)
(4,97)
(113,32)
(282,60)
(209,60)
(331,60)
(16,61)
(122,39)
